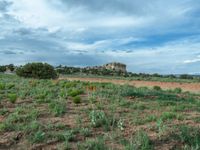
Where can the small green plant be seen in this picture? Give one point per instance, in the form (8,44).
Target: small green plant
(67,135)
(170,116)
(138,106)
(151,118)
(63,94)
(120,124)
(10,86)
(97,144)
(64,146)
(37,137)
(85,132)
(77,99)
(3,111)
(161,127)
(57,108)
(32,126)
(140,141)
(12,97)
(97,118)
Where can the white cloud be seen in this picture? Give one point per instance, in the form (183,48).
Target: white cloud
(150,36)
(194,60)
(43,13)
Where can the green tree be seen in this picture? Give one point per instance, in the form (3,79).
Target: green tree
(37,70)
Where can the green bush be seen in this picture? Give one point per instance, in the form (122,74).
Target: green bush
(37,70)
(12,98)
(70,84)
(2,86)
(2,68)
(77,99)
(11,67)
(186,76)
(157,88)
(75,92)
(178,90)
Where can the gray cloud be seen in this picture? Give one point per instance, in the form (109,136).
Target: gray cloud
(7,52)
(149,36)
(4,5)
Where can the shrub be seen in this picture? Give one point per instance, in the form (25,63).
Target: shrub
(2,86)
(186,76)
(11,67)
(177,90)
(157,88)
(12,98)
(77,99)
(37,70)
(70,84)
(2,68)
(75,92)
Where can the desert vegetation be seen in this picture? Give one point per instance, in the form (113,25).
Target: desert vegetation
(62,114)
(45,71)
(105,73)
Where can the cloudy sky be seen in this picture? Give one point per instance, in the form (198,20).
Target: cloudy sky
(161,36)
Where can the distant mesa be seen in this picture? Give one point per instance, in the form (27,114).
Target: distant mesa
(113,66)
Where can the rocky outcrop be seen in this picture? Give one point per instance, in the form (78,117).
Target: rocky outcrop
(116,66)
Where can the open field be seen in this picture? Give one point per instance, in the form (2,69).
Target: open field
(195,79)
(192,87)
(63,114)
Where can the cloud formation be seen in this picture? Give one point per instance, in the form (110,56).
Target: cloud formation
(149,36)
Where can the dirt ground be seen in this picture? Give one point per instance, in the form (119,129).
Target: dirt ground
(191,87)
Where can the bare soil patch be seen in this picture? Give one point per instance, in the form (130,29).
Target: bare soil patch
(191,87)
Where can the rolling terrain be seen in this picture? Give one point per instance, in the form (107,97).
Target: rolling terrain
(63,114)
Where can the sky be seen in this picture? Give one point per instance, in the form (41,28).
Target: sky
(149,36)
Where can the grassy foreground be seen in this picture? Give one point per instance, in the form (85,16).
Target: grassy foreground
(52,114)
